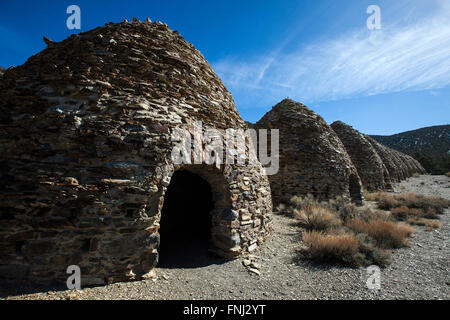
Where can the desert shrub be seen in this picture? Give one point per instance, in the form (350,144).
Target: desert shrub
(387,234)
(336,203)
(403,213)
(361,235)
(370,254)
(344,247)
(431,206)
(323,247)
(426,203)
(369,196)
(317,218)
(386,201)
(430,213)
(304,203)
(367,214)
(430,224)
(348,210)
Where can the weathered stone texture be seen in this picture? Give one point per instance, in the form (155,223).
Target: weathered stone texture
(85,154)
(377,165)
(312,158)
(400,165)
(388,159)
(419,167)
(371,169)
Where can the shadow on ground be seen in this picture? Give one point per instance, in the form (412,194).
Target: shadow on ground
(190,254)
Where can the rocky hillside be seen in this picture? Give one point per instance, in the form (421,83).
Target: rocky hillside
(430,140)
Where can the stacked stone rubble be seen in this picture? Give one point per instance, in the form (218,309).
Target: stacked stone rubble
(85,152)
(312,158)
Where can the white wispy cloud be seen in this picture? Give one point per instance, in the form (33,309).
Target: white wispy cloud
(410,57)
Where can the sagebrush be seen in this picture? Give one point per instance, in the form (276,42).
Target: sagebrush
(340,231)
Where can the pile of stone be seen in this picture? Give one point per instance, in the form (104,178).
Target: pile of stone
(85,155)
(312,158)
(250,262)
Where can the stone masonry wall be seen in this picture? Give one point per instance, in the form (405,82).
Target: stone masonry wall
(371,169)
(312,158)
(85,155)
(388,159)
(375,162)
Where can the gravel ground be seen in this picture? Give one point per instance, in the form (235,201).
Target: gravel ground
(418,272)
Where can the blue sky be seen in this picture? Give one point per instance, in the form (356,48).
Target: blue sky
(320,53)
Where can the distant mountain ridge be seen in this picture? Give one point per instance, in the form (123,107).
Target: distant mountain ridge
(434,141)
(430,145)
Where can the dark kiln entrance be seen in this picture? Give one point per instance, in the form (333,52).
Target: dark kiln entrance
(186,222)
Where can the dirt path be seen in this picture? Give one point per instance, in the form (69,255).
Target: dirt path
(419,272)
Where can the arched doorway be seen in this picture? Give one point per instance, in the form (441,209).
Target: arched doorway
(186,222)
(355,190)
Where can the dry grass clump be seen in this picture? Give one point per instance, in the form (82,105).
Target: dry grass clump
(341,231)
(404,213)
(416,174)
(369,253)
(430,224)
(428,204)
(343,207)
(345,247)
(327,247)
(387,234)
(448,174)
(385,201)
(304,203)
(317,218)
(370,196)
(367,214)
(413,208)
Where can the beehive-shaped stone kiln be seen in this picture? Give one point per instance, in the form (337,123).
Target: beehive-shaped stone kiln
(377,165)
(85,155)
(312,158)
(371,169)
(388,159)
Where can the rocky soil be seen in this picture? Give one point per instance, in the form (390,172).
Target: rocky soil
(418,272)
